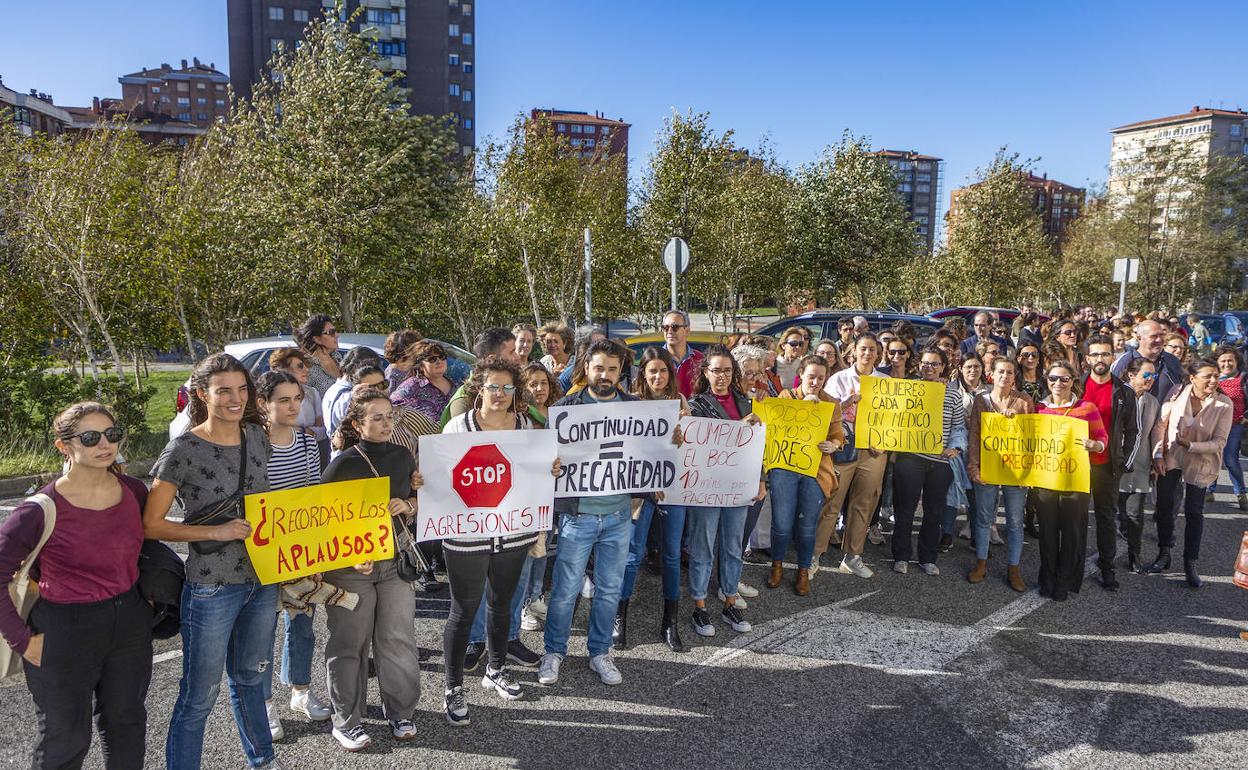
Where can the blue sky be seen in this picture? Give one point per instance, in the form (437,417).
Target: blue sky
(956,80)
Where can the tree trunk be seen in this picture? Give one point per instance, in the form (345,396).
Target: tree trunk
(180,308)
(529,279)
(459,311)
(346,305)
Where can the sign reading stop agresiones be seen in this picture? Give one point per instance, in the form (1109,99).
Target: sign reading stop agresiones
(483,477)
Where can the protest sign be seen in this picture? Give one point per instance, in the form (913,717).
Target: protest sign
(485,484)
(794,429)
(720,462)
(297,532)
(898,415)
(615,448)
(1034,450)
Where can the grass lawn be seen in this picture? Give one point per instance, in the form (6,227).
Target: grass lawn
(40,457)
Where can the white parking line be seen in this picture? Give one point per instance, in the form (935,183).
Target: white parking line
(162,657)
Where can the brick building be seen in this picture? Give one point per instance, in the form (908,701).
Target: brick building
(920,180)
(590,135)
(1057,204)
(194,93)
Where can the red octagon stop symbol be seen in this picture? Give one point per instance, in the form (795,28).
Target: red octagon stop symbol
(482,478)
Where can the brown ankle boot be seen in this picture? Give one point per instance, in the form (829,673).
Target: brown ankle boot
(802,586)
(1014,577)
(777,574)
(980,572)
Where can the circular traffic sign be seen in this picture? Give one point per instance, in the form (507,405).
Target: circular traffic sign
(676,255)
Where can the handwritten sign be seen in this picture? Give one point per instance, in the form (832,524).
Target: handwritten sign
(720,463)
(794,429)
(615,448)
(1034,450)
(485,484)
(297,532)
(898,415)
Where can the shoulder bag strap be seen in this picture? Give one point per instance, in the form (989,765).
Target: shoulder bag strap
(371,467)
(242,459)
(49,523)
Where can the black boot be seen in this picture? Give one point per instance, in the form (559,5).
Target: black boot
(669,633)
(1133,562)
(1162,562)
(619,633)
(1189,567)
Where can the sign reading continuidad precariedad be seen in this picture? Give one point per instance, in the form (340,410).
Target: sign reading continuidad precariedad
(1034,450)
(298,532)
(897,415)
(613,448)
(485,484)
(720,462)
(794,429)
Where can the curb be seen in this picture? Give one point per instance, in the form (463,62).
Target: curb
(17,486)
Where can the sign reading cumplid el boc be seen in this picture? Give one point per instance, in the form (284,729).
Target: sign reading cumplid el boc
(900,415)
(719,463)
(485,484)
(297,532)
(615,448)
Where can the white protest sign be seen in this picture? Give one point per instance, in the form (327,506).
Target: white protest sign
(720,465)
(485,484)
(613,448)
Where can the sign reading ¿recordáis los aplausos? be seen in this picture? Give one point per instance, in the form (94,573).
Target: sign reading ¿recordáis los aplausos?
(615,448)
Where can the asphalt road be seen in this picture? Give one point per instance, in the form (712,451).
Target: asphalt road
(896,671)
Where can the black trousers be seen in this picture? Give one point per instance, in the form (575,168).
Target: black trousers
(1131,514)
(915,476)
(97,660)
(1063,519)
(1169,487)
(1105,509)
(472,575)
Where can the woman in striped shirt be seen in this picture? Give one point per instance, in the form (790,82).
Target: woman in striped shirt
(1064,515)
(497,390)
(295,462)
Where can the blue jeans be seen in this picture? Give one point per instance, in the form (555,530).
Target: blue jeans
(476,634)
(230,628)
(673,519)
(296,651)
(795,503)
(704,524)
(1231,461)
(986,514)
(608,536)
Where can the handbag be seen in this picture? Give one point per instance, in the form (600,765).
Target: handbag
(847,453)
(22,590)
(229,508)
(1241,564)
(409,562)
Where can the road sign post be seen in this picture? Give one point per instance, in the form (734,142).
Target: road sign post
(1125,271)
(676,260)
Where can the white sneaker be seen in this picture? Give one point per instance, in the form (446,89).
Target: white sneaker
(965,533)
(403,729)
(275,724)
(587,588)
(746,590)
(900,567)
(814,567)
(852,564)
(606,670)
(548,669)
(529,620)
(875,535)
(994,537)
(305,702)
(929,568)
(740,602)
(352,739)
(538,608)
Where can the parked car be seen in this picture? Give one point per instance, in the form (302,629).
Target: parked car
(823,323)
(254,354)
(967,313)
(699,341)
(1226,328)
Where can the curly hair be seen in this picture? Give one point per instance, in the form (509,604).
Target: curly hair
(201,377)
(495,365)
(398,343)
(282,358)
(347,434)
(535,369)
(420,352)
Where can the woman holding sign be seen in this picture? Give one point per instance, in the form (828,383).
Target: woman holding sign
(1188,440)
(1064,515)
(386,605)
(717,394)
(796,498)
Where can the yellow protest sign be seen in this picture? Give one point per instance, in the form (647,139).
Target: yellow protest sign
(794,429)
(297,532)
(1034,450)
(900,415)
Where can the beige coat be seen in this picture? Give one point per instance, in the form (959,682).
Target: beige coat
(1202,460)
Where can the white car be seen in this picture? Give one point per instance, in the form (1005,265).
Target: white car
(254,354)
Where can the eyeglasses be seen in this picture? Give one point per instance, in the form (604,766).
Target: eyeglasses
(899,352)
(1148,376)
(297,364)
(494,388)
(1029,355)
(671,327)
(794,343)
(1059,378)
(383,417)
(90,438)
(719,372)
(1064,332)
(329,333)
(930,364)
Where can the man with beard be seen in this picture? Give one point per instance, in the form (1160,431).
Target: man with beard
(599,525)
(1115,400)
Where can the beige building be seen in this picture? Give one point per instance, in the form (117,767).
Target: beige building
(1208,132)
(920,179)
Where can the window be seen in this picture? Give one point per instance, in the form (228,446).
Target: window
(299,14)
(155,89)
(164,99)
(201,101)
(576,128)
(184,116)
(1237,129)
(454,89)
(454,60)
(923,178)
(923,188)
(184,87)
(589,142)
(467,9)
(220,86)
(203,116)
(467,95)
(561,127)
(467,150)
(467,68)
(276,13)
(467,38)
(454,30)
(467,124)
(275,44)
(576,142)
(184,101)
(220,102)
(200,86)
(606,130)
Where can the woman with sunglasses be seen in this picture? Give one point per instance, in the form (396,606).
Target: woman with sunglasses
(927,475)
(227,614)
(793,345)
(1188,440)
(319,339)
(987,352)
(386,606)
(1063,345)
(897,362)
(1233,383)
(395,351)
(1064,515)
(429,389)
(491,566)
(1137,480)
(87,644)
(1031,372)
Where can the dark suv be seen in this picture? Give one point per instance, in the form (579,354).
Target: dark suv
(823,323)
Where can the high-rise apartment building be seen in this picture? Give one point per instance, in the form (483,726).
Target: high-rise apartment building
(920,181)
(589,135)
(194,93)
(1205,132)
(430,41)
(1057,204)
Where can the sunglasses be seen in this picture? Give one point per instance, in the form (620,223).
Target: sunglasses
(898,352)
(794,343)
(1147,376)
(1066,331)
(90,438)
(495,389)
(671,327)
(1059,378)
(434,359)
(329,333)
(1028,355)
